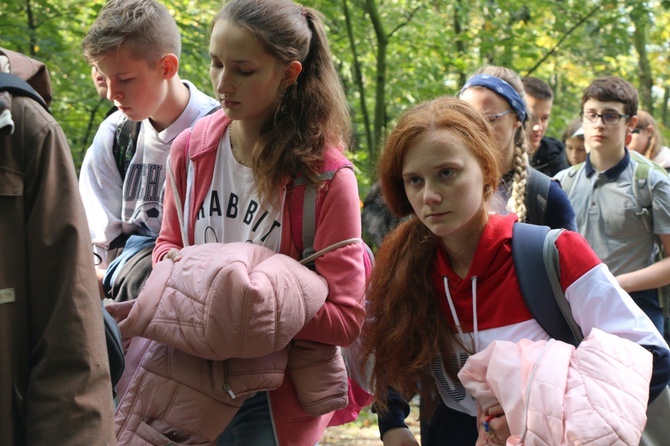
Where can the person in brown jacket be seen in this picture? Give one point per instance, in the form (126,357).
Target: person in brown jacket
(55,386)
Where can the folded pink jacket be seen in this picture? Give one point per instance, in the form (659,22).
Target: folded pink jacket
(208,353)
(552,393)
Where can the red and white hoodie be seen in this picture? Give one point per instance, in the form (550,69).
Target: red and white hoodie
(487,304)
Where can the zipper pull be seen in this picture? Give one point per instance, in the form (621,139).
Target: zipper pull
(229,391)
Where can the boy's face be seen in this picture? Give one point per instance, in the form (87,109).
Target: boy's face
(575,150)
(605,138)
(541,111)
(136,88)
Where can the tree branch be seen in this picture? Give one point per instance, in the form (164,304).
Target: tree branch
(565,36)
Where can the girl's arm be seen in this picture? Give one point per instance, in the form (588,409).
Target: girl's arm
(170,235)
(340,319)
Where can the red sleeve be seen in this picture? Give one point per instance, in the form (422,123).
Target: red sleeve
(576,257)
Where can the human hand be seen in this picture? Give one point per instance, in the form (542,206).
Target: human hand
(399,436)
(493,428)
(100,275)
(173,254)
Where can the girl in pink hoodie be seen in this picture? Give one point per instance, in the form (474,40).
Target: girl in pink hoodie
(284,116)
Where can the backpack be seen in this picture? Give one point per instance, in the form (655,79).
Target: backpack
(537,185)
(17,86)
(537,268)
(643,198)
(303,224)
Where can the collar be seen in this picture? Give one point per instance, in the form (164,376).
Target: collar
(613,172)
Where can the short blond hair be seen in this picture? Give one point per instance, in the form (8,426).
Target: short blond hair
(145,27)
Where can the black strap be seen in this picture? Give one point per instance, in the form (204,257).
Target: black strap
(537,191)
(125,144)
(536,288)
(17,86)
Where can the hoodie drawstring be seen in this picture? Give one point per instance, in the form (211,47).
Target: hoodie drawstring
(475,324)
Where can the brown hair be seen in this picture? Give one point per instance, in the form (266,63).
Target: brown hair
(613,89)
(656,141)
(405,331)
(145,27)
(537,88)
(313,111)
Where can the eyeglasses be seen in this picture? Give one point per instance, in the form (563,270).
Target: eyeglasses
(609,118)
(636,131)
(493,117)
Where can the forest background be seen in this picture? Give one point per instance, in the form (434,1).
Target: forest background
(390,54)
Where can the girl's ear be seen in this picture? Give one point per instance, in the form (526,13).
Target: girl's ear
(293,69)
(170,65)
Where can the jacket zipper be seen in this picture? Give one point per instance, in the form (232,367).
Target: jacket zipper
(226,385)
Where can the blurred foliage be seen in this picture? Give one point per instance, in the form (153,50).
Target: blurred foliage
(431,48)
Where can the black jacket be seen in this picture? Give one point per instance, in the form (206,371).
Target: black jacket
(550,157)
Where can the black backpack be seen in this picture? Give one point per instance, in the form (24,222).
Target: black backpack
(17,86)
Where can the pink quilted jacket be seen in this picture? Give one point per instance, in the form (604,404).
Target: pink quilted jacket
(207,354)
(555,394)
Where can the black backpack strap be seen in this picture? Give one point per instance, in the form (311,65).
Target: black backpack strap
(17,86)
(537,191)
(539,294)
(125,144)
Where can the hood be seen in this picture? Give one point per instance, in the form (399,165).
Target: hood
(492,270)
(31,71)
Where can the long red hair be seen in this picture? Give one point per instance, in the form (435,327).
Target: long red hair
(405,330)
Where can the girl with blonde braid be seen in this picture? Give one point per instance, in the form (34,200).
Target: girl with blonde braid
(497,93)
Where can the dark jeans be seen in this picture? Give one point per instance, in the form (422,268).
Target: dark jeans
(648,302)
(449,427)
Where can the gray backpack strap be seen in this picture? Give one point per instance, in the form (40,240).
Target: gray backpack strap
(552,265)
(568,180)
(537,191)
(538,281)
(309,214)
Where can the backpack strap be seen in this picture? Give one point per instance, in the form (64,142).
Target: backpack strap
(537,269)
(17,86)
(537,189)
(568,180)
(125,144)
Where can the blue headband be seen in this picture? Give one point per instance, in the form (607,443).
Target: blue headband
(499,86)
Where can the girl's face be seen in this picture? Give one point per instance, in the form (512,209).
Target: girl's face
(640,139)
(444,183)
(247,80)
(489,104)
(575,150)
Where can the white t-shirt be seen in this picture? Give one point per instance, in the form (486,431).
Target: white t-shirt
(134,205)
(232,210)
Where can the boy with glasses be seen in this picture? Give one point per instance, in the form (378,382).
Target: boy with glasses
(607,196)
